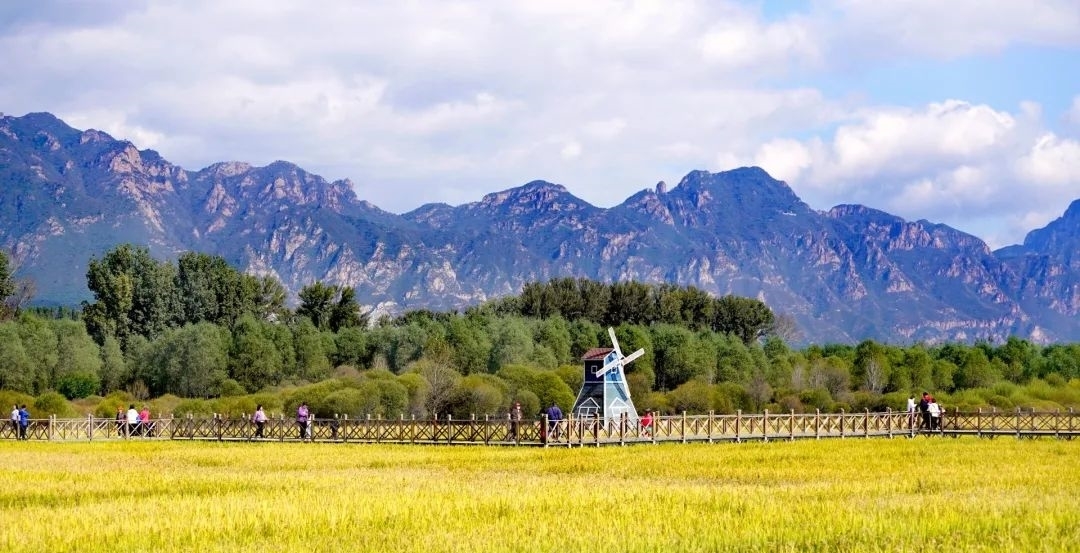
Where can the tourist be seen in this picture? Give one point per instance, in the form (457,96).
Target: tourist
(911,411)
(924,409)
(302,417)
(935,414)
(144,422)
(259,418)
(120,421)
(554,415)
(515,421)
(24,422)
(132,421)
(15,420)
(646,423)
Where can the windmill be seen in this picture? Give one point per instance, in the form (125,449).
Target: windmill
(604,393)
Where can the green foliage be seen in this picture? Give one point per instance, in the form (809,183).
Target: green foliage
(74,385)
(51,403)
(7,285)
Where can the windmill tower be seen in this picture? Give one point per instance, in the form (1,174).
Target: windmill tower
(604,393)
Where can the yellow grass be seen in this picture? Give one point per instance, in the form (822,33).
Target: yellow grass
(940,495)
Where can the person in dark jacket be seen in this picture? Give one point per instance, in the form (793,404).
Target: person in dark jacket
(24,422)
(554,415)
(924,409)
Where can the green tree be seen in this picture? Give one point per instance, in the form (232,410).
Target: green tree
(191,361)
(16,369)
(254,360)
(746,318)
(317,303)
(133,293)
(7,286)
(346,312)
(114,371)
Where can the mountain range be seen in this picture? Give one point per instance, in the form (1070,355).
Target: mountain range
(846,274)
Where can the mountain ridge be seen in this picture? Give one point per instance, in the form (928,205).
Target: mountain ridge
(844,274)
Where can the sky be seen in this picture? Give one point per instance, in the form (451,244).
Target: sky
(965,112)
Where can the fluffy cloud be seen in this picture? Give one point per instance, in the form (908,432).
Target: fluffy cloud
(989,172)
(445,101)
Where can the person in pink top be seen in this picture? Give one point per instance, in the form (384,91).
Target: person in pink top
(144,422)
(302,419)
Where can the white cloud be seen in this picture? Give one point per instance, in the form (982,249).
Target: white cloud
(967,165)
(571,150)
(1073,115)
(1052,161)
(446,101)
(945,30)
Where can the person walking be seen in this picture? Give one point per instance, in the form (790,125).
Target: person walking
(935,415)
(554,415)
(646,423)
(144,422)
(24,422)
(259,418)
(302,417)
(120,421)
(15,421)
(924,409)
(515,421)
(132,421)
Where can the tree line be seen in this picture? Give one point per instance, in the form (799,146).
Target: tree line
(197,328)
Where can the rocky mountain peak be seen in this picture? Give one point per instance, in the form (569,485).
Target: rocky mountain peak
(845,275)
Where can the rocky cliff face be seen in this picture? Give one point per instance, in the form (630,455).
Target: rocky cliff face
(844,275)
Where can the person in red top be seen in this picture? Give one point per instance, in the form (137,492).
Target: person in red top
(646,423)
(144,422)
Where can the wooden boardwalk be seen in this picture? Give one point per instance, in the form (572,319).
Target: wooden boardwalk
(710,428)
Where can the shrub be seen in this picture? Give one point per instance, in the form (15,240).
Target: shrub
(51,403)
(78,384)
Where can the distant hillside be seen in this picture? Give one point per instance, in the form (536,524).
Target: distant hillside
(847,274)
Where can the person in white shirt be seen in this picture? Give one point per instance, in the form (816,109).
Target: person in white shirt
(15,420)
(132,420)
(935,415)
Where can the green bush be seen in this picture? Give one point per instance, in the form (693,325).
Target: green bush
(194,407)
(78,384)
(51,403)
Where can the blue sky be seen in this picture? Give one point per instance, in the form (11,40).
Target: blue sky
(963,112)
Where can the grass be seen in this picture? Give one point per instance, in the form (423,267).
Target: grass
(831,495)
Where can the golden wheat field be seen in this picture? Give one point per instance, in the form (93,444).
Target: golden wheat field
(837,495)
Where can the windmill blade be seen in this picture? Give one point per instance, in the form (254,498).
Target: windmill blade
(603,370)
(626,360)
(614,342)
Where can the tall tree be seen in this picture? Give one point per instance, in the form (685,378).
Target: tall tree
(317,303)
(134,295)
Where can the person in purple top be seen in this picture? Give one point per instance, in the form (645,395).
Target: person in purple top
(302,419)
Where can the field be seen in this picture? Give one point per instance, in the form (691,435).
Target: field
(831,495)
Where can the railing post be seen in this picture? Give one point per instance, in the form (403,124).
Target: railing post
(817,424)
(888,421)
(842,413)
(866,422)
(738,424)
(90,427)
(1071,415)
(1018,423)
(712,421)
(450,428)
(49,432)
(978,422)
(683,430)
(765,426)
(791,425)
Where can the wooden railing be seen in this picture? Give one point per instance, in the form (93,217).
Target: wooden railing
(568,432)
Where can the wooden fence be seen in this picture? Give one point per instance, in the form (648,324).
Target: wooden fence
(569,432)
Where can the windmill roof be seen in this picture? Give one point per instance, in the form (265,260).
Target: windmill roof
(596,354)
